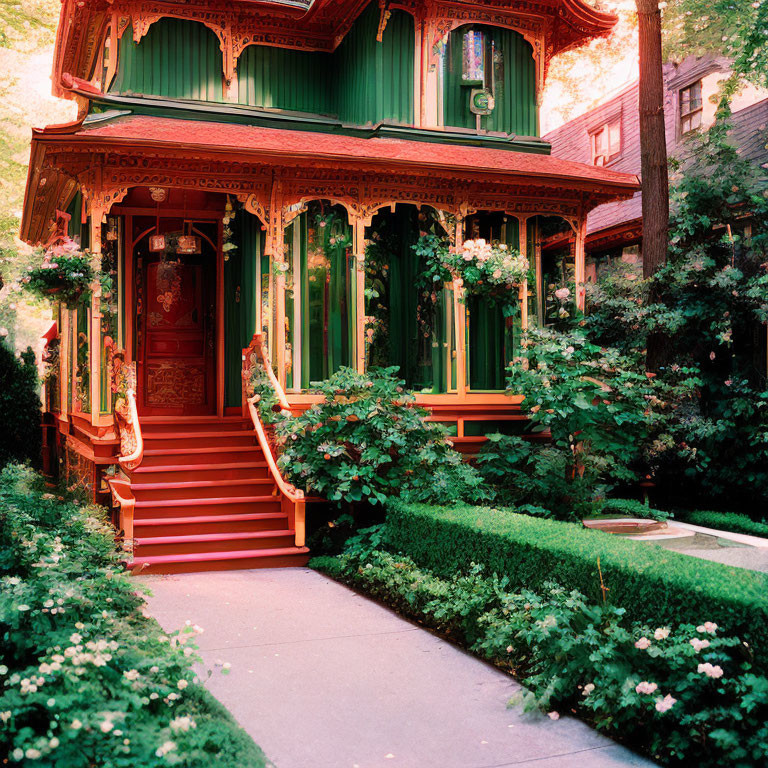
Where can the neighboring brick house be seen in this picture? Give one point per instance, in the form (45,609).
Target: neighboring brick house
(609,136)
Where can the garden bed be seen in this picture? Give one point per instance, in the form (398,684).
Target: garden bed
(87,678)
(652,584)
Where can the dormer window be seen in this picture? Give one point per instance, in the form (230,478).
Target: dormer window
(691,108)
(473,57)
(606,142)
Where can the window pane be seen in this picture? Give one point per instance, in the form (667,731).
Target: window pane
(473,56)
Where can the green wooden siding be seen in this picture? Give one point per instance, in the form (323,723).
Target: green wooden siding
(374,81)
(176,59)
(514,79)
(282,78)
(240,283)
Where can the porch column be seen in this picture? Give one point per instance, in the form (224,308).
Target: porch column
(275,249)
(358,247)
(97,212)
(460,315)
(65,335)
(580,269)
(523,238)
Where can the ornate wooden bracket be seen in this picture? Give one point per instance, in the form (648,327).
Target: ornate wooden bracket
(384,14)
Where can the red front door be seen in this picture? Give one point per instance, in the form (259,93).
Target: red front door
(177,337)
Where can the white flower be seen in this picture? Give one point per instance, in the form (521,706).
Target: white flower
(662,705)
(53,743)
(165,748)
(588,688)
(75,638)
(76,725)
(182,724)
(5,716)
(106,726)
(646,687)
(131,674)
(22,607)
(661,633)
(17,754)
(643,643)
(553,715)
(182,684)
(699,644)
(33,754)
(3,669)
(713,671)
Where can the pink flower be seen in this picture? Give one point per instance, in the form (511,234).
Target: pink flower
(665,704)
(468,257)
(646,687)
(554,715)
(643,643)
(562,293)
(662,633)
(708,626)
(713,671)
(699,644)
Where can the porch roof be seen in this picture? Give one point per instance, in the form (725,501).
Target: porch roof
(61,154)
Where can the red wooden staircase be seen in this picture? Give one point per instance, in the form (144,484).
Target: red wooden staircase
(204,499)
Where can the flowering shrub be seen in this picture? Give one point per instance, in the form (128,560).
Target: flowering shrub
(368,441)
(598,404)
(85,678)
(66,274)
(19,407)
(684,694)
(491,270)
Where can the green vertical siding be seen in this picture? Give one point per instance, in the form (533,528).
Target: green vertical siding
(514,84)
(282,78)
(240,305)
(177,59)
(374,81)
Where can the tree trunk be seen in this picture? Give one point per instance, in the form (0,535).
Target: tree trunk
(653,162)
(653,144)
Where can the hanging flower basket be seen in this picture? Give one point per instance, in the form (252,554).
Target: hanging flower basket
(65,275)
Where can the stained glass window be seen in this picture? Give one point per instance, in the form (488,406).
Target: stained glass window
(473,56)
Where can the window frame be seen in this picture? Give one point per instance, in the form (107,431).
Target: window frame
(695,108)
(604,128)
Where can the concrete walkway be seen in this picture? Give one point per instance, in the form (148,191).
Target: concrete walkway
(322,677)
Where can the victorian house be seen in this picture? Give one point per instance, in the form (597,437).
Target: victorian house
(233,167)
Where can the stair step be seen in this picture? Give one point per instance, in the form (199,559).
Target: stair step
(200,543)
(277,557)
(203,524)
(172,473)
(206,505)
(156,457)
(151,425)
(171,441)
(202,489)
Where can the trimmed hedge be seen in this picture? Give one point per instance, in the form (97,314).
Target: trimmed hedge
(725,521)
(653,584)
(632,507)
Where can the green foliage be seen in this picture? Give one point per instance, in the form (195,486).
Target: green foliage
(633,508)
(267,401)
(65,275)
(368,441)
(598,404)
(653,584)
(735,29)
(538,479)
(682,693)
(86,678)
(711,301)
(726,521)
(489,270)
(19,407)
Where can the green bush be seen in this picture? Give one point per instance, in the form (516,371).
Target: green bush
(19,407)
(85,678)
(369,441)
(683,694)
(651,583)
(725,521)
(632,507)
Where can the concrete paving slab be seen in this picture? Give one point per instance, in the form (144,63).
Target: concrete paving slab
(322,677)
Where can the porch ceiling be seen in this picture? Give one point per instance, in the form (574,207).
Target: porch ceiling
(110,156)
